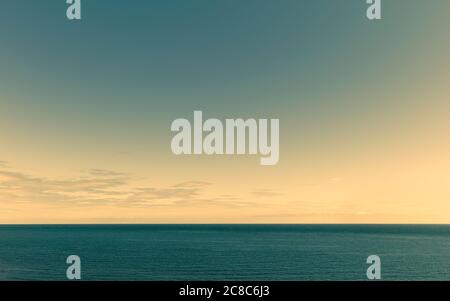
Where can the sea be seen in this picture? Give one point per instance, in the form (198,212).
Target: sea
(225,252)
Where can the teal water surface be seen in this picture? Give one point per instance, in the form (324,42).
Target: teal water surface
(224,252)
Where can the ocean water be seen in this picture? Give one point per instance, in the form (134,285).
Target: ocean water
(225,252)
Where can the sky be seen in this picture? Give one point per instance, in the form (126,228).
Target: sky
(86,108)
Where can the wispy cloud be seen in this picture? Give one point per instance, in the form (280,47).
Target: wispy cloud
(24,188)
(192,184)
(106,173)
(266,193)
(100,187)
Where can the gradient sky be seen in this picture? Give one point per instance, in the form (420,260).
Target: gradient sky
(86,108)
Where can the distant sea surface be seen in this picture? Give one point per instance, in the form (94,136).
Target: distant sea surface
(225,252)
